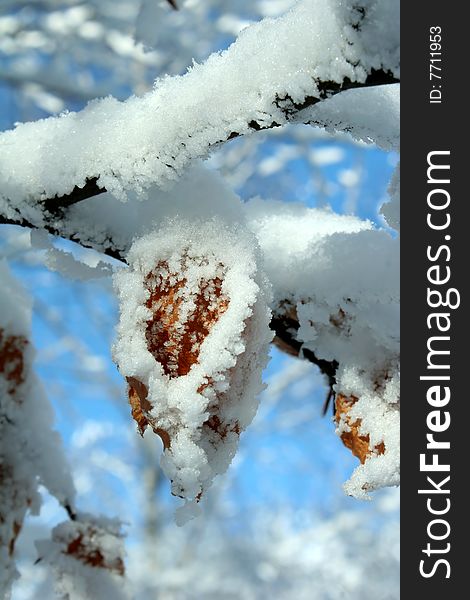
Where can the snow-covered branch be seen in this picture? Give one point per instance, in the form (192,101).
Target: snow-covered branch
(274,70)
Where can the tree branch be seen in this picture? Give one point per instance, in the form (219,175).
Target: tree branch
(55,206)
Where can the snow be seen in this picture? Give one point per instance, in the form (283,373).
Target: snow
(205,275)
(150,12)
(150,139)
(289,234)
(199,193)
(193,340)
(327,268)
(66,264)
(285,555)
(15,306)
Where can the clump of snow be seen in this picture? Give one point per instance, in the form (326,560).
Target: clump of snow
(339,273)
(31,453)
(192,342)
(291,237)
(87,557)
(192,316)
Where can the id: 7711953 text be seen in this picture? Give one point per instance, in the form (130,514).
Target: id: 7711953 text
(435,64)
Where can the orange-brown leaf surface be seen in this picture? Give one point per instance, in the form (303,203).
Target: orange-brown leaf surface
(175,345)
(358,443)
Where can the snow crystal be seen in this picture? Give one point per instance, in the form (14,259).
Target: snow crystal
(292,237)
(199,193)
(192,341)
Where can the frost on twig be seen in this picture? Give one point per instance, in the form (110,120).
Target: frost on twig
(193,335)
(30,451)
(192,342)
